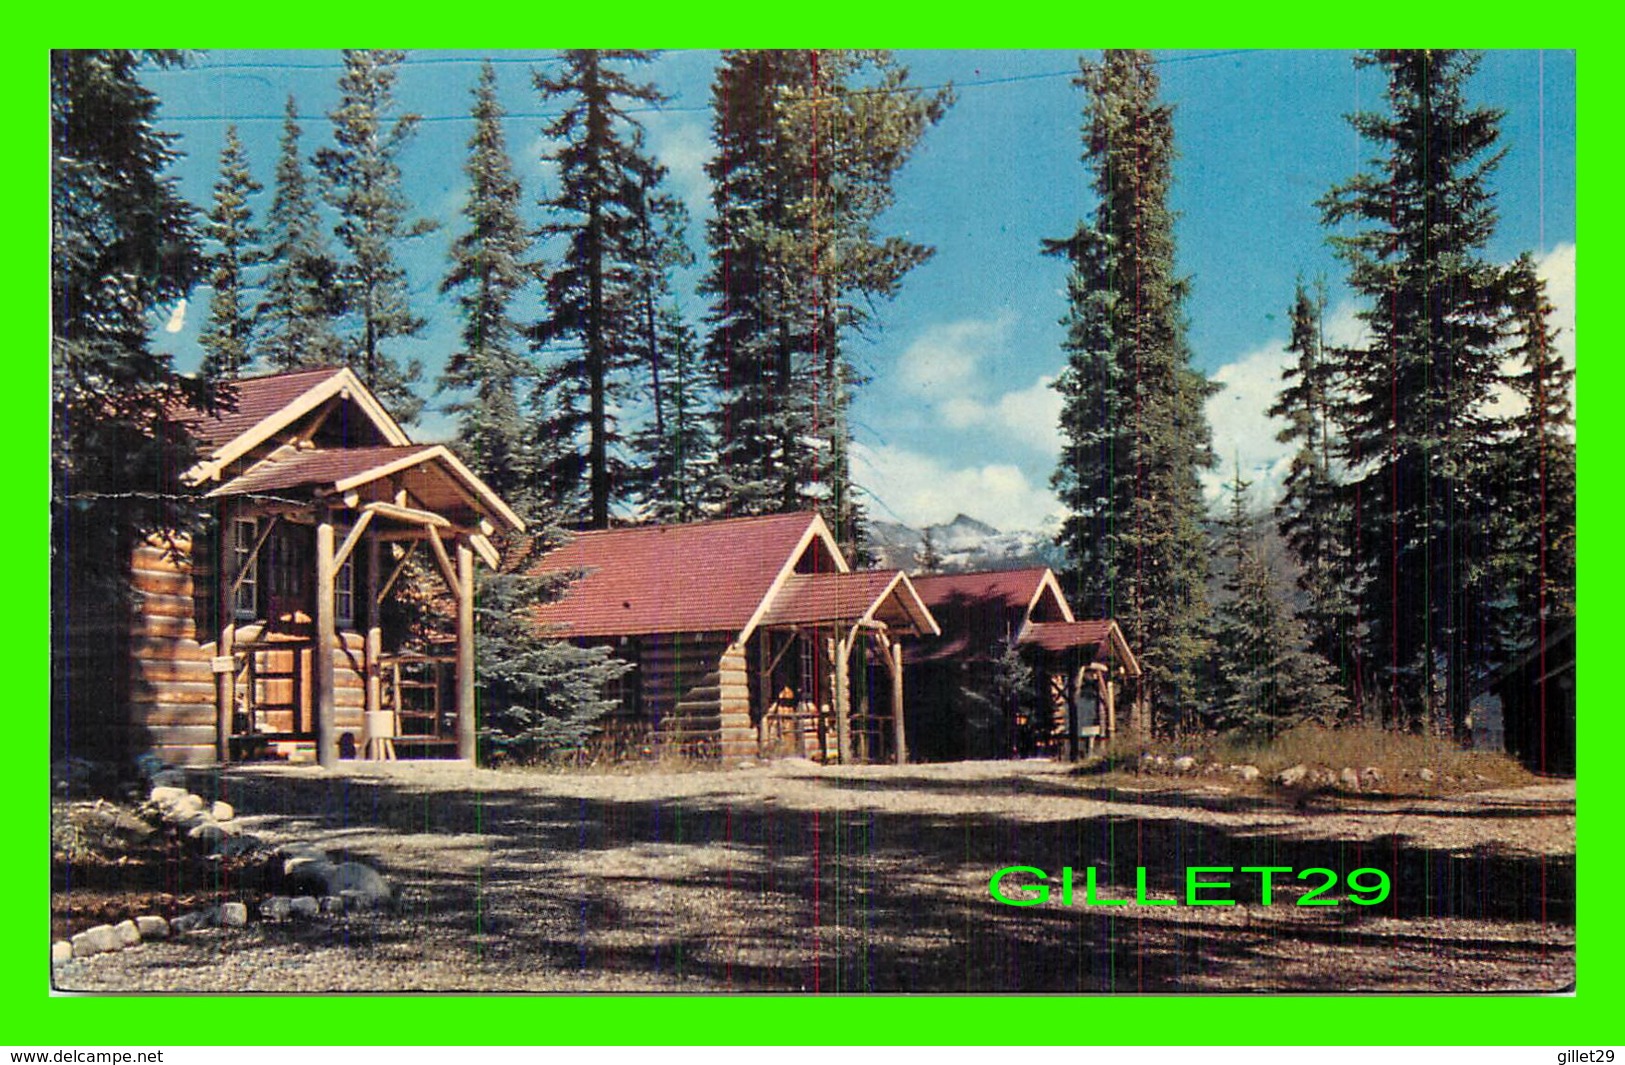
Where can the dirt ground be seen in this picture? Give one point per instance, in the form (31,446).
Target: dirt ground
(791,877)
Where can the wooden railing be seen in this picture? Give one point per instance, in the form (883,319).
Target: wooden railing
(420,690)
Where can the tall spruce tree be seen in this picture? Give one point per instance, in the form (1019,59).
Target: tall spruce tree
(226,337)
(490,269)
(1420,428)
(1133,424)
(1539,469)
(606,212)
(123,247)
(809,146)
(1267,675)
(674,447)
(301,295)
(362,179)
(1313,512)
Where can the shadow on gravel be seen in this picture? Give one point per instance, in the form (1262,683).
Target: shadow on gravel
(710,893)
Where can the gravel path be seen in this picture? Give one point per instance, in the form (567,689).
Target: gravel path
(795,877)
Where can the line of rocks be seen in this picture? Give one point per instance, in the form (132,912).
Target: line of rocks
(317,884)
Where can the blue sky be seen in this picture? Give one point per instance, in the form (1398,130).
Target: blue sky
(959,415)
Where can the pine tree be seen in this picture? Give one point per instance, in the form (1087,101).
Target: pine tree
(1133,418)
(1313,513)
(123,246)
(301,296)
(607,213)
(1420,429)
(1539,478)
(809,146)
(1268,677)
(362,180)
(490,270)
(675,448)
(927,559)
(226,338)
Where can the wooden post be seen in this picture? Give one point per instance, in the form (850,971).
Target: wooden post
(842,698)
(764,685)
(375,632)
(321,667)
(900,744)
(1073,687)
(225,680)
(466,738)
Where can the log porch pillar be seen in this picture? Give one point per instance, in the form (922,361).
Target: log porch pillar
(321,668)
(225,679)
(900,743)
(467,748)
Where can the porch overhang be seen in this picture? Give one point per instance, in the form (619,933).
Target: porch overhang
(883,599)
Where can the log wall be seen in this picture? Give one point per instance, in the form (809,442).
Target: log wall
(172,689)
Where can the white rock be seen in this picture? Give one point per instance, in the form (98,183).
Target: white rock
(1184,764)
(1348,778)
(233,915)
(97,940)
(164,796)
(222,811)
(152,927)
(61,951)
(1292,775)
(1248,772)
(1426,774)
(128,934)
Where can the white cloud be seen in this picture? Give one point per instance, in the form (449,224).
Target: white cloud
(1556,268)
(1243,431)
(177,318)
(924,490)
(952,370)
(949,355)
(685,148)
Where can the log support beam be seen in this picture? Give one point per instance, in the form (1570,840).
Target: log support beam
(466,728)
(321,667)
(225,583)
(899,740)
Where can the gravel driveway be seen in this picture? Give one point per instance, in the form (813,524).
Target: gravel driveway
(795,877)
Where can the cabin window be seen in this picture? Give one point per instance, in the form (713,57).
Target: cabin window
(344,593)
(290,565)
(246,600)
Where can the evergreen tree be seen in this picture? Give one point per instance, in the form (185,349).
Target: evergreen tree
(362,180)
(607,212)
(1420,428)
(927,559)
(809,146)
(301,295)
(123,247)
(1313,513)
(1539,477)
(1268,676)
(675,448)
(490,269)
(1133,422)
(225,340)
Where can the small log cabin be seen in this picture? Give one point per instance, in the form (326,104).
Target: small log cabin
(750,637)
(1079,667)
(264,635)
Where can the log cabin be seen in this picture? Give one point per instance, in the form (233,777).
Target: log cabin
(261,634)
(1080,668)
(750,637)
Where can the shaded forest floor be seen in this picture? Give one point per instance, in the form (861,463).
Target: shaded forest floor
(791,877)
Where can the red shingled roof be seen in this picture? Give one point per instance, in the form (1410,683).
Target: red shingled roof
(1011,587)
(703,577)
(321,466)
(257,399)
(1062,636)
(813,598)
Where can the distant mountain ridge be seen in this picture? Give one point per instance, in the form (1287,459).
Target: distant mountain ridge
(964,545)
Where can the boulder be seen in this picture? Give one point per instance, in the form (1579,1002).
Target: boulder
(1292,776)
(165,796)
(276,908)
(233,915)
(1184,764)
(222,811)
(207,835)
(61,951)
(1426,774)
(332,904)
(193,920)
(128,934)
(364,880)
(304,906)
(97,940)
(152,927)
(1370,777)
(1349,779)
(1247,772)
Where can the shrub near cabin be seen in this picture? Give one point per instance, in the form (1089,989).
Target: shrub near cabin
(1366,886)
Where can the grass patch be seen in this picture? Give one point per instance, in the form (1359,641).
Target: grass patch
(1400,756)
